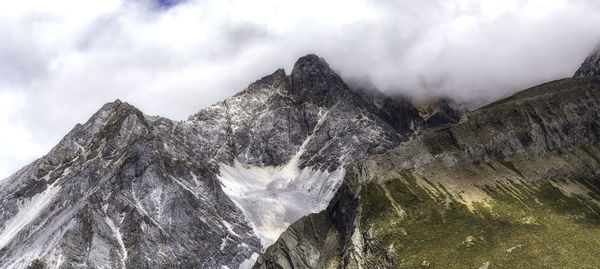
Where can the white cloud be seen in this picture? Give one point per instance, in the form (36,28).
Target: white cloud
(17,146)
(61,60)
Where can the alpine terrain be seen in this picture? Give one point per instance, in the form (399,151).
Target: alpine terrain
(514,184)
(128,190)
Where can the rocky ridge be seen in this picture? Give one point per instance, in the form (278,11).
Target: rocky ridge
(130,190)
(509,185)
(591,65)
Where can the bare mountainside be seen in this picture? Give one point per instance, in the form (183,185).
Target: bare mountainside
(515,184)
(130,190)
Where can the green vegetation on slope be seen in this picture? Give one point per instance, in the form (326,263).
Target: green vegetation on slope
(524,226)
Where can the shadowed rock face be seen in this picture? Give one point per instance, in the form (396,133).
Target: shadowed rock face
(130,190)
(591,66)
(312,80)
(499,188)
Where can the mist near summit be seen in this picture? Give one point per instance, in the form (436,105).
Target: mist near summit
(61,60)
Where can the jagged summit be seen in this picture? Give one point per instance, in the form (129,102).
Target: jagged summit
(118,104)
(591,66)
(129,190)
(313,80)
(484,192)
(273,81)
(311,63)
(115,111)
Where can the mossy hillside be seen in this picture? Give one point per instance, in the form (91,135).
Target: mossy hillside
(523,226)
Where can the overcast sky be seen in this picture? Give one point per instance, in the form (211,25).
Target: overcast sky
(60,60)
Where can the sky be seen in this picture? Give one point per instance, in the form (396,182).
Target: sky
(60,60)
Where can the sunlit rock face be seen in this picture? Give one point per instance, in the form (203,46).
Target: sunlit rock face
(115,190)
(130,190)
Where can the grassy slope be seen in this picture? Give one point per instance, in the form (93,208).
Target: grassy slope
(533,226)
(516,184)
(526,220)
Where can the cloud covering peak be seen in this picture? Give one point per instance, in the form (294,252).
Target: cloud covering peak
(61,60)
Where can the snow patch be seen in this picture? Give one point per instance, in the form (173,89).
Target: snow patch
(27,213)
(117,232)
(248,263)
(60,261)
(224,242)
(272,197)
(229,228)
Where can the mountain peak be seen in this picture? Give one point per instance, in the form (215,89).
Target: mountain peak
(310,58)
(112,111)
(115,106)
(591,65)
(274,80)
(312,79)
(311,63)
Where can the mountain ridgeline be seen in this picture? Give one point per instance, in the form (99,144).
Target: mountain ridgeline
(128,190)
(591,66)
(300,171)
(514,184)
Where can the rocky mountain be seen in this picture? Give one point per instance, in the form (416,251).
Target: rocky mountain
(591,65)
(121,191)
(131,190)
(514,184)
(437,111)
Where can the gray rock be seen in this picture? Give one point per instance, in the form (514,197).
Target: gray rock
(546,128)
(130,190)
(591,66)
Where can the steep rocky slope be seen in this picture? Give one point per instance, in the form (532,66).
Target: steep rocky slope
(591,65)
(121,191)
(515,184)
(130,190)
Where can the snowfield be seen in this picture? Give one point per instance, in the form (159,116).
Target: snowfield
(273,197)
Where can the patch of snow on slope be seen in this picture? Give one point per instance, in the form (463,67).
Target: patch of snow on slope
(273,197)
(248,263)
(27,213)
(117,232)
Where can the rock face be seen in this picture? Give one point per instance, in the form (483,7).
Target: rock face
(508,186)
(122,190)
(130,190)
(436,111)
(591,66)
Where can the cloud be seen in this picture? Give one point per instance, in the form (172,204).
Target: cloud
(61,60)
(17,145)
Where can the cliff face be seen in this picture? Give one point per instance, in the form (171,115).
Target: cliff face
(130,190)
(283,143)
(512,185)
(591,65)
(115,189)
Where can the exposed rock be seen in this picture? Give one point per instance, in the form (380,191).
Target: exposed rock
(306,238)
(436,111)
(130,190)
(591,65)
(114,190)
(538,141)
